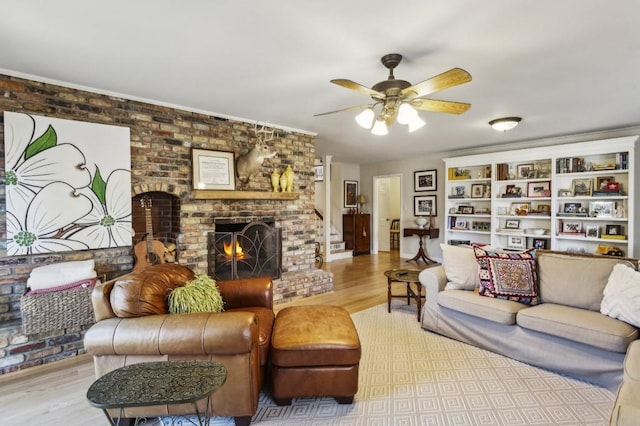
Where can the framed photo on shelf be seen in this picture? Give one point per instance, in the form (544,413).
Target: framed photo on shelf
(520,209)
(466,209)
(512,224)
(460,224)
(570,227)
(613,230)
(516,242)
(539,244)
(350,193)
(592,231)
(477,190)
(582,187)
(425,180)
(565,193)
(572,207)
(513,191)
(601,208)
(602,182)
(539,189)
(424,205)
(213,169)
(544,209)
(318,173)
(524,170)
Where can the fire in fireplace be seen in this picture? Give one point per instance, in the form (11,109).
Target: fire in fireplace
(244,250)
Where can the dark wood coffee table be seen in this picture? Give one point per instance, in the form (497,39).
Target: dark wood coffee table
(157,383)
(408,276)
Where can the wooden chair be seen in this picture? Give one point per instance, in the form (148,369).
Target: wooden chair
(394,234)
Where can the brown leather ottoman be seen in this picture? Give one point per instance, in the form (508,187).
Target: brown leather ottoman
(315,351)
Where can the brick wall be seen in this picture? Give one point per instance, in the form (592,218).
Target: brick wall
(161,143)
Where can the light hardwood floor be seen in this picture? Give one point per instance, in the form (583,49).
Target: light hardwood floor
(54,394)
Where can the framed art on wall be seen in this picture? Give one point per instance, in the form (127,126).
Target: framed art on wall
(424,205)
(318,173)
(350,193)
(425,180)
(213,169)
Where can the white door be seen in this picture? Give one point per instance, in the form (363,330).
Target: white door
(384,221)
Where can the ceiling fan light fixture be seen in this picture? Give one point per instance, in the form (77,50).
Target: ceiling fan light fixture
(416,123)
(380,128)
(365,118)
(406,113)
(504,124)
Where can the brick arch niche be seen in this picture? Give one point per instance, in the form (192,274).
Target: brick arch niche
(164,212)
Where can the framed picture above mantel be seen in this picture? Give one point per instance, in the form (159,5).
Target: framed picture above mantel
(213,169)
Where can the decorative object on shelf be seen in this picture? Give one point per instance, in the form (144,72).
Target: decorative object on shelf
(213,169)
(512,191)
(457,192)
(275,180)
(536,231)
(539,189)
(466,209)
(350,193)
(247,165)
(504,124)
(571,227)
(318,173)
(602,182)
(399,101)
(283,182)
(289,175)
(421,222)
(613,230)
(565,193)
(425,180)
(424,205)
(362,200)
(460,224)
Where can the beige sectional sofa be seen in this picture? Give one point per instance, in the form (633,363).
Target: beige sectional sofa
(626,409)
(564,332)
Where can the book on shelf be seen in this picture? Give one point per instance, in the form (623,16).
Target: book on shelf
(510,231)
(613,237)
(604,193)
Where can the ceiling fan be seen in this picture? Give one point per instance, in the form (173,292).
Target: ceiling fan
(399,100)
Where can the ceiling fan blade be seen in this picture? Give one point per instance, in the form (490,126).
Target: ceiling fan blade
(343,109)
(358,88)
(451,78)
(440,106)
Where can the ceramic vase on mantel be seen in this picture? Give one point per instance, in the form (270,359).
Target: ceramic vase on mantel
(275,180)
(288,173)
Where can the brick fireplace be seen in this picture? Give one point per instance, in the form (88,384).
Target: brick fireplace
(161,143)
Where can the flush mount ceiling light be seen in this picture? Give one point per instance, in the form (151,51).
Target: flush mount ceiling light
(504,124)
(399,100)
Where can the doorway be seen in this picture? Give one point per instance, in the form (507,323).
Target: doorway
(387,206)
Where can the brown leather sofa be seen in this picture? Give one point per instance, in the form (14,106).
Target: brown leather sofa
(132,325)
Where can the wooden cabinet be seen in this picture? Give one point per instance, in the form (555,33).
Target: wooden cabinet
(356,232)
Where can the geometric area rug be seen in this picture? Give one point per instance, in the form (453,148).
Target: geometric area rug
(409,376)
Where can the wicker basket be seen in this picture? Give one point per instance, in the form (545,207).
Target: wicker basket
(57,310)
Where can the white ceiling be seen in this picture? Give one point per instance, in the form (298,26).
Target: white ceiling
(566,67)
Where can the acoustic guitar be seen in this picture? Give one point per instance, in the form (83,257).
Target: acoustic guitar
(150,251)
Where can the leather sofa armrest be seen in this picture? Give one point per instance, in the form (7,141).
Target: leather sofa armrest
(434,280)
(246,292)
(202,333)
(101,302)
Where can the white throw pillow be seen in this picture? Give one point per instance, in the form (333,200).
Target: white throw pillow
(622,295)
(460,266)
(62,273)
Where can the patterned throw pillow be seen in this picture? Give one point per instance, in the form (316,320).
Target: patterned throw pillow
(508,275)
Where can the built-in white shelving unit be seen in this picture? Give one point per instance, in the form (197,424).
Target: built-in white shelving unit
(573,197)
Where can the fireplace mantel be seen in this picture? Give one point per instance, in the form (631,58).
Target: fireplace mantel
(207,194)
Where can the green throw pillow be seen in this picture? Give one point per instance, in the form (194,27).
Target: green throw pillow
(198,295)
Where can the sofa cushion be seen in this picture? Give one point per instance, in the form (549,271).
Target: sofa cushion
(578,325)
(508,275)
(145,292)
(621,296)
(574,280)
(468,302)
(460,266)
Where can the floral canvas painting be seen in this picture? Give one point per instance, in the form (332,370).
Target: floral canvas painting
(67,185)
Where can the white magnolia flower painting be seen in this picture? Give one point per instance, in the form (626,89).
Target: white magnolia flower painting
(68,185)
